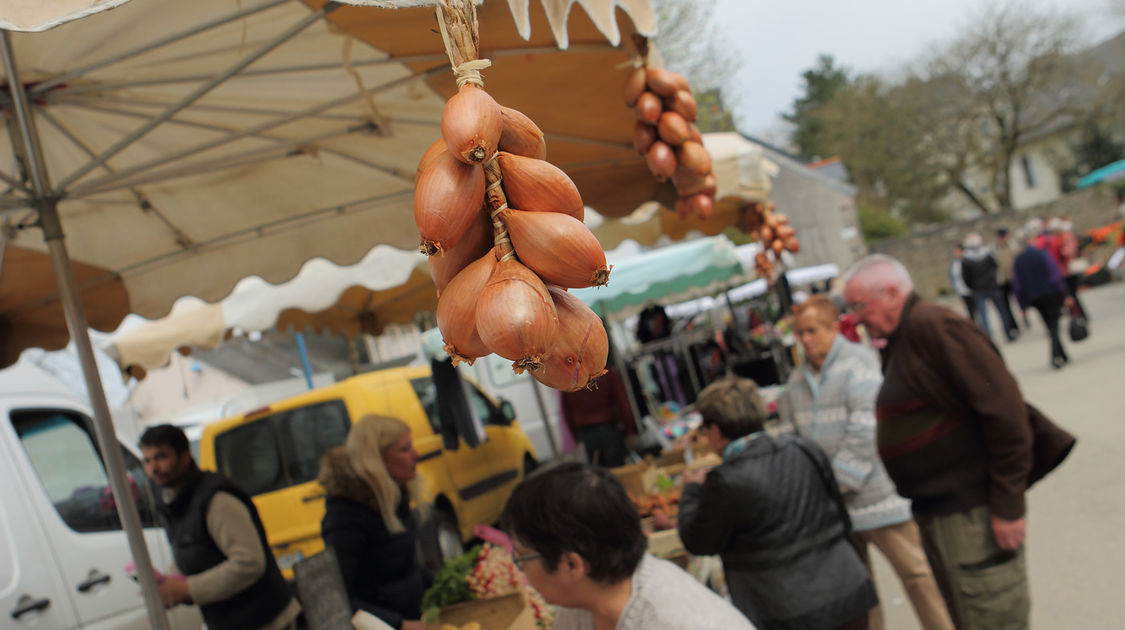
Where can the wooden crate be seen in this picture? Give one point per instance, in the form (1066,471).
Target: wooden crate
(638,479)
(509,612)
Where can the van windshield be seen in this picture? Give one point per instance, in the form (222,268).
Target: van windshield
(282,449)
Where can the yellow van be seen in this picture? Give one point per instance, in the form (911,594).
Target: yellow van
(274,454)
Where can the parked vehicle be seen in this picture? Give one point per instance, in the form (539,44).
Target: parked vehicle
(274,454)
(63,552)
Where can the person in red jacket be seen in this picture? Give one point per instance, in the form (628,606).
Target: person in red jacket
(600,418)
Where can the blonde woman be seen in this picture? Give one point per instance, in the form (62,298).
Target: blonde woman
(369,483)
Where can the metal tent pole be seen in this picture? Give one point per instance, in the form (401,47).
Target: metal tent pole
(47,206)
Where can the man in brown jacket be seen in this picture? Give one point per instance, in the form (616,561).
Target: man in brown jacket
(958,440)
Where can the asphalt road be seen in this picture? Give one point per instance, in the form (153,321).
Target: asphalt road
(1076,516)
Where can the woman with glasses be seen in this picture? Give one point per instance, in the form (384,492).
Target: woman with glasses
(577,536)
(772,510)
(369,483)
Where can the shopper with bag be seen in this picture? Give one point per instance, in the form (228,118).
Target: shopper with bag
(1037,283)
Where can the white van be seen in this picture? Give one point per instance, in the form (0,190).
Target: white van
(62,550)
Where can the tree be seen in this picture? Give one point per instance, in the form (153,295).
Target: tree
(869,125)
(876,224)
(1001,82)
(689,43)
(822,82)
(1095,148)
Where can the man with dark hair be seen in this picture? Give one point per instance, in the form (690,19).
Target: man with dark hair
(577,536)
(217,540)
(772,510)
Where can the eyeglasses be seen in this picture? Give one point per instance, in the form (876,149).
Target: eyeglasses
(528,557)
(855,308)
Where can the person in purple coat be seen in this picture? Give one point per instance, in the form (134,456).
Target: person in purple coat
(1037,283)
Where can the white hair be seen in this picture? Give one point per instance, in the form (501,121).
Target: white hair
(973,240)
(879,271)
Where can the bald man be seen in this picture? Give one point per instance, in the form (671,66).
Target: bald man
(958,440)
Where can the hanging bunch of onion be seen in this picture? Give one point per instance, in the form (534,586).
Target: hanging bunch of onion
(773,231)
(492,264)
(665,133)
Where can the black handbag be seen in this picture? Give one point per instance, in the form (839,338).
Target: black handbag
(1078,329)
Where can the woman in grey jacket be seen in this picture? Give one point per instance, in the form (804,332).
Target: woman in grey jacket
(831,400)
(772,511)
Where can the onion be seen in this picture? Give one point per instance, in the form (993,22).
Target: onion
(694,157)
(663,82)
(456,310)
(696,136)
(643,137)
(701,205)
(766,233)
(428,157)
(520,135)
(538,185)
(683,207)
(471,124)
(781,218)
(661,160)
(793,245)
(634,86)
(447,199)
(688,183)
(777,246)
(560,249)
(683,104)
(648,108)
(581,349)
(515,316)
(673,129)
(785,232)
(478,239)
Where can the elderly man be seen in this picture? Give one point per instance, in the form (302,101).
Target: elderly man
(958,440)
(831,400)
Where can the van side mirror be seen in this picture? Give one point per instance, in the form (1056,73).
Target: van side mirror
(507,410)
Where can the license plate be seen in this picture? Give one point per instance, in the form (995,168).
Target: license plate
(288,560)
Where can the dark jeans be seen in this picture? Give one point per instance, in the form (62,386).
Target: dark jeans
(605,444)
(1006,290)
(970,306)
(981,299)
(1072,289)
(1050,309)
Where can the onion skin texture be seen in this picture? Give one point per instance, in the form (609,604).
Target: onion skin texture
(580,353)
(471,124)
(559,249)
(683,103)
(478,239)
(661,160)
(688,183)
(673,129)
(701,204)
(663,82)
(516,317)
(793,245)
(696,135)
(649,108)
(539,186)
(520,135)
(693,157)
(447,199)
(643,137)
(456,310)
(634,86)
(428,157)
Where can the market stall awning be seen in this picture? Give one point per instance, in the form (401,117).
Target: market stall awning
(194,144)
(673,273)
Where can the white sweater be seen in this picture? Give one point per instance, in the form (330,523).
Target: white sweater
(664,597)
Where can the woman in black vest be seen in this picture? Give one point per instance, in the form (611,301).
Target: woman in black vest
(369,482)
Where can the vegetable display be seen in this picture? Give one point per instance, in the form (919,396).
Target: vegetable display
(773,231)
(483,572)
(666,135)
(504,231)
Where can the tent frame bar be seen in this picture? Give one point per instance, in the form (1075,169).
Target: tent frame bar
(198,93)
(47,206)
(84,189)
(160,43)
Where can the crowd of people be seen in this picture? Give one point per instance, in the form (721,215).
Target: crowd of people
(924,452)
(1040,268)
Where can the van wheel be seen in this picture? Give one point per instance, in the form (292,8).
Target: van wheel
(448,535)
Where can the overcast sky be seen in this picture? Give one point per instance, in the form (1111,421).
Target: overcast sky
(778,40)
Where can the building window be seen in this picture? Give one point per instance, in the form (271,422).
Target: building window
(1028,171)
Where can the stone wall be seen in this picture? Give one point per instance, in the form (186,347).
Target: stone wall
(927,253)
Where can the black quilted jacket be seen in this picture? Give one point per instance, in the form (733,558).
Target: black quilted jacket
(774,515)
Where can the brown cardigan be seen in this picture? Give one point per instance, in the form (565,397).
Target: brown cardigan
(953,365)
